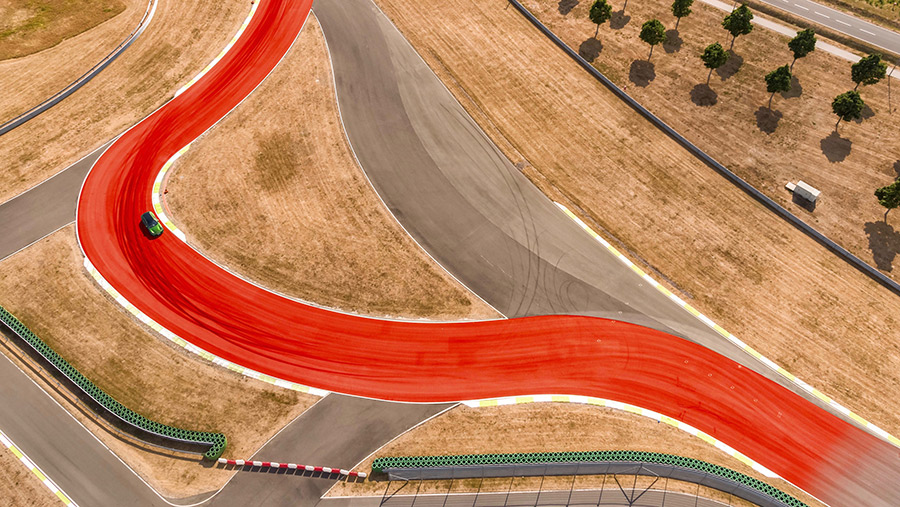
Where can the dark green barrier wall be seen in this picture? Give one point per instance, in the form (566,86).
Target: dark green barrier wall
(217,441)
(584,457)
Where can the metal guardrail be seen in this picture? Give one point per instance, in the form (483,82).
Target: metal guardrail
(215,441)
(81,81)
(792,219)
(586,463)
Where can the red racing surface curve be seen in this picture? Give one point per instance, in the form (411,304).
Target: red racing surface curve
(429,362)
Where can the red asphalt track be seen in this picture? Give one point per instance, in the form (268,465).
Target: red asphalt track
(420,362)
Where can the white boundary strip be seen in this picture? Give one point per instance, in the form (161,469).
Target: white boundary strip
(730,337)
(30,465)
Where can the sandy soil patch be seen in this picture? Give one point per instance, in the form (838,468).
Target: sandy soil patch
(28,26)
(183,37)
(736,262)
(45,286)
(729,118)
(274,193)
(549,428)
(19,486)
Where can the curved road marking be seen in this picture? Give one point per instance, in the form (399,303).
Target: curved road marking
(35,470)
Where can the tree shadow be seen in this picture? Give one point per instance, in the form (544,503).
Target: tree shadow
(703,95)
(897,169)
(767,119)
(642,72)
(884,242)
(618,20)
(566,6)
(731,67)
(865,114)
(673,41)
(590,49)
(795,91)
(835,148)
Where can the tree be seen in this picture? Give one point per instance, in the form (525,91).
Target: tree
(868,70)
(847,106)
(738,22)
(681,9)
(779,80)
(889,197)
(802,44)
(653,32)
(600,13)
(714,56)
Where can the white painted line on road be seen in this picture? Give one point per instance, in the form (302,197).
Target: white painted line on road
(802,7)
(6,442)
(866,31)
(842,22)
(823,15)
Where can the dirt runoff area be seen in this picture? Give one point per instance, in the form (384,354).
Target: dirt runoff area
(28,26)
(735,261)
(19,486)
(183,37)
(274,193)
(549,427)
(45,286)
(730,118)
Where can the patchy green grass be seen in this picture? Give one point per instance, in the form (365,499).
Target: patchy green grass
(29,26)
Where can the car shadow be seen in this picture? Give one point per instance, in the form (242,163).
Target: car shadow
(566,6)
(673,41)
(767,119)
(731,67)
(835,148)
(703,95)
(641,73)
(884,242)
(590,49)
(145,232)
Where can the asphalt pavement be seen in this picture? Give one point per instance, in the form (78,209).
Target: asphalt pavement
(845,23)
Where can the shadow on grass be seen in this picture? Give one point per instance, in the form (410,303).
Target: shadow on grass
(795,91)
(731,67)
(673,42)
(618,20)
(641,73)
(767,119)
(835,148)
(884,242)
(703,95)
(590,49)
(566,6)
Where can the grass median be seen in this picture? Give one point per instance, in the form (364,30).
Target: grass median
(274,193)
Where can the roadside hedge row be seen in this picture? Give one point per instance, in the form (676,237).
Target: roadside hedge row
(216,441)
(380,464)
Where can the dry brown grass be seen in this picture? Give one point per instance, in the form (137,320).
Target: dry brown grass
(548,428)
(46,288)
(19,486)
(795,140)
(745,268)
(182,38)
(29,26)
(274,193)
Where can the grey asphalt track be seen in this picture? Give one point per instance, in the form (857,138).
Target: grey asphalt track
(578,498)
(76,461)
(845,23)
(44,208)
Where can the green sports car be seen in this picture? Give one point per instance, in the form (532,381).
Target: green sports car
(149,221)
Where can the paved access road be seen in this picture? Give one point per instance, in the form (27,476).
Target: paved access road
(841,22)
